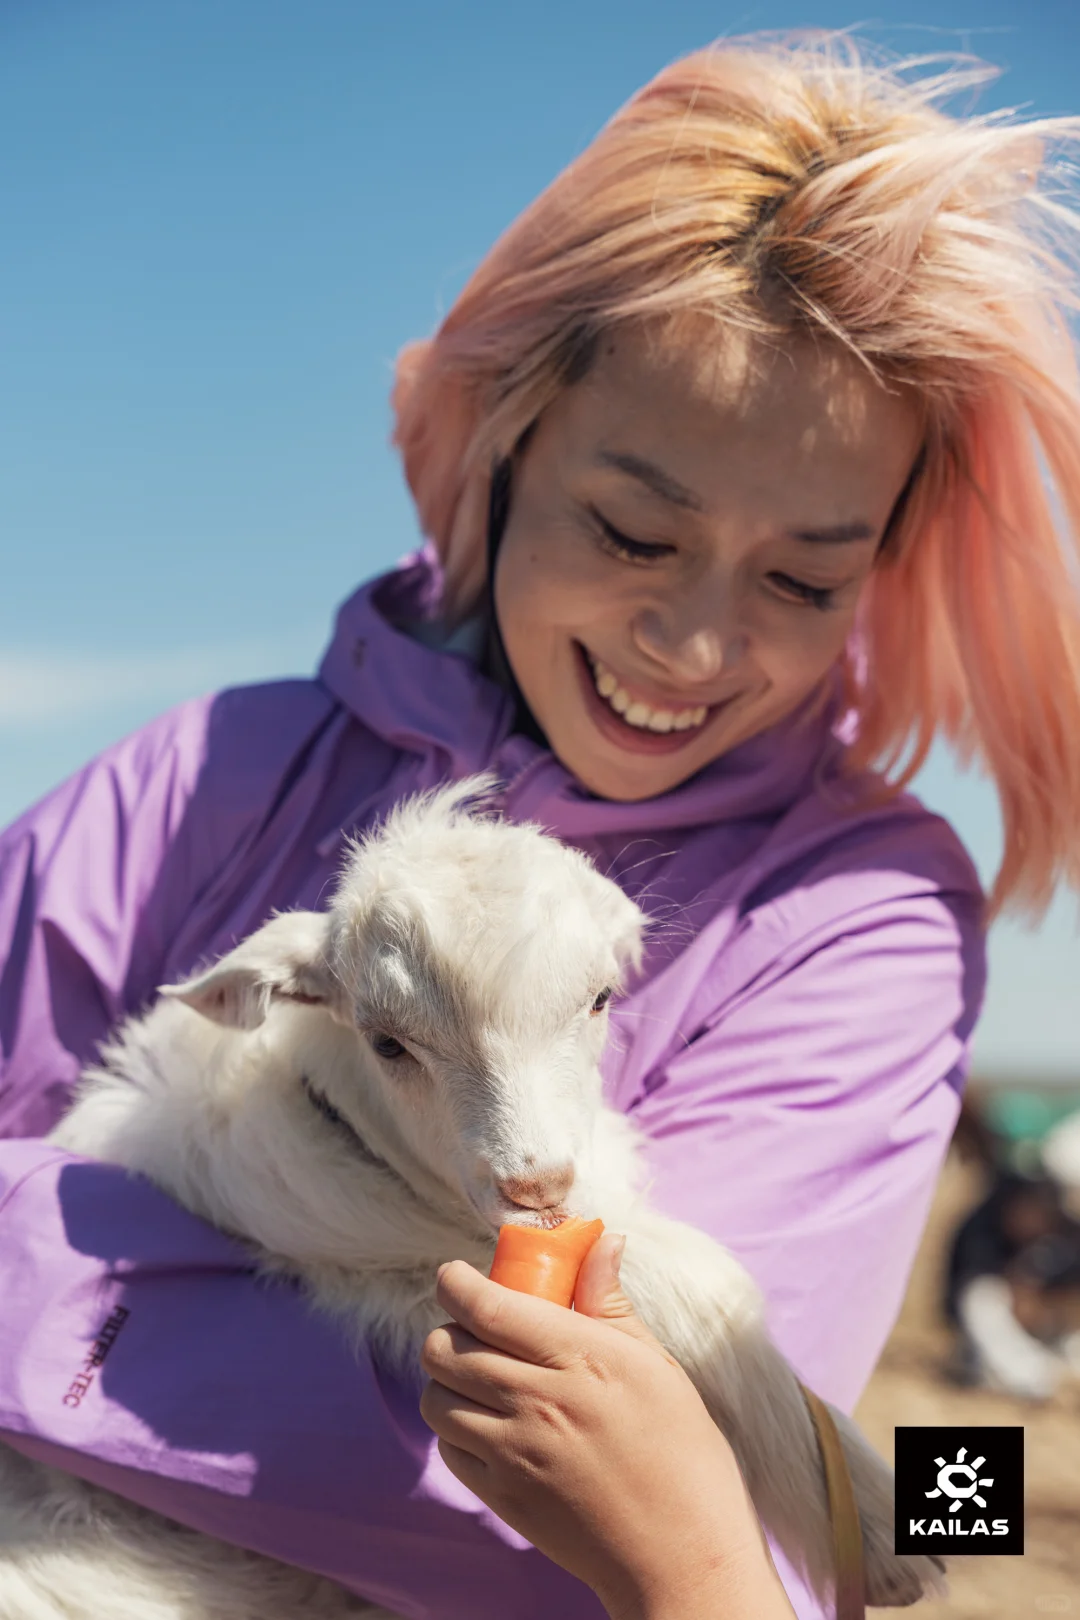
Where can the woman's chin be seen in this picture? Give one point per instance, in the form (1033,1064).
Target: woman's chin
(624,776)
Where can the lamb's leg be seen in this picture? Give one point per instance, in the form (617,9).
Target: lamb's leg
(704,1307)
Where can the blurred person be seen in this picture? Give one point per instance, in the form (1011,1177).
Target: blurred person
(1046,1292)
(1012,1285)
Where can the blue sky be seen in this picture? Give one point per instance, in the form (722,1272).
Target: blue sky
(222,218)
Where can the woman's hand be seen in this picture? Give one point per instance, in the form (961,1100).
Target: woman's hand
(583,1434)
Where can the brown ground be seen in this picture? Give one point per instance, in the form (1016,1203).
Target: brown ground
(908,1388)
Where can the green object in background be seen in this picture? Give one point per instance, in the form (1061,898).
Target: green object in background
(1027,1116)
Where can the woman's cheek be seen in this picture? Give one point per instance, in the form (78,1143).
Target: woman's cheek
(792,666)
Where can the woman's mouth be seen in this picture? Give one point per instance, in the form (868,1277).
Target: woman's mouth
(633,724)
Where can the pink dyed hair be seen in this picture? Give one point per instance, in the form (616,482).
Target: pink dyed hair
(806,177)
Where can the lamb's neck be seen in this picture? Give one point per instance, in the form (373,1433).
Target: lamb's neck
(390,1313)
(381,1281)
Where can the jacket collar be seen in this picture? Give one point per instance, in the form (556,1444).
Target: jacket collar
(415,695)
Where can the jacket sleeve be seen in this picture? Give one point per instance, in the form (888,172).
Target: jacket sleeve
(805,1124)
(92,881)
(141,1352)
(100,880)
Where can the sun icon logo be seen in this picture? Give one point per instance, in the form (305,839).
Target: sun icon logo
(946,1482)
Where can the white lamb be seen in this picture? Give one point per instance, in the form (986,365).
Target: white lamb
(367,1092)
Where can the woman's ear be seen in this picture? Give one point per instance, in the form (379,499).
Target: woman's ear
(284,960)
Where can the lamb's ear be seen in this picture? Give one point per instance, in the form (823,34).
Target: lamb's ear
(284,960)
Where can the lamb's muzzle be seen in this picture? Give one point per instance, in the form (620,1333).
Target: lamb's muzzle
(542,1189)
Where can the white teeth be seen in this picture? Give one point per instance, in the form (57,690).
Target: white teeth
(640,714)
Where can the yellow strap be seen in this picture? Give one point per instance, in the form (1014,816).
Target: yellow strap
(847,1531)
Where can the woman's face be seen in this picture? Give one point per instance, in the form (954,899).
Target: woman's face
(686,545)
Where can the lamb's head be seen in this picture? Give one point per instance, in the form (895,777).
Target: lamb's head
(472,961)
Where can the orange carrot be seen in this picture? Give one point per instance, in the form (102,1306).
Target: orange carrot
(544,1262)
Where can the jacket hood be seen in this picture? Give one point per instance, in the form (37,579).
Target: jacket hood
(434,701)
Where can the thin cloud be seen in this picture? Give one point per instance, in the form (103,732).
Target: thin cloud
(39,687)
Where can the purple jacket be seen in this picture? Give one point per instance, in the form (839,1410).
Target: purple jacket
(794,1054)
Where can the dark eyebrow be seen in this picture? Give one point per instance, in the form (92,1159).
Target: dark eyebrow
(839,535)
(653,477)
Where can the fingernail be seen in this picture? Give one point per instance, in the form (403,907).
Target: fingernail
(442,1268)
(617,1252)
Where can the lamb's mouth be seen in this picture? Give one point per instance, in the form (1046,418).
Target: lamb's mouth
(333,1116)
(542,1219)
(504,1213)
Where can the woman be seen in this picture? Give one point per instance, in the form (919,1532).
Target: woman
(732,457)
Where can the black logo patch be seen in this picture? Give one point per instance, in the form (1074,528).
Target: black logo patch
(960,1491)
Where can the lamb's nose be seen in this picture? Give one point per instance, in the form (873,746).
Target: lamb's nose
(544,1190)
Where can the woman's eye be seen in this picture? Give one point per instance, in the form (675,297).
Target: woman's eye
(601,1001)
(797,590)
(621,545)
(386,1046)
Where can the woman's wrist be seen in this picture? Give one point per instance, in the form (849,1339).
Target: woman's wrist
(728,1594)
(741,1583)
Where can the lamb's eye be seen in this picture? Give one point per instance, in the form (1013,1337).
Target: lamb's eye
(602,1000)
(386,1046)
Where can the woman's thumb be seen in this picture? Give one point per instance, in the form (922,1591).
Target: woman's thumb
(599,1291)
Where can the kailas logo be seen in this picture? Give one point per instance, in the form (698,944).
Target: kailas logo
(948,1474)
(952,1513)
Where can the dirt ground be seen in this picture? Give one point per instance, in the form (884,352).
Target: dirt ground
(908,1388)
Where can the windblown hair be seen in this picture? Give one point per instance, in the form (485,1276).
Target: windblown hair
(799,187)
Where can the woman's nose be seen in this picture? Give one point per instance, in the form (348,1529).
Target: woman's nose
(693,652)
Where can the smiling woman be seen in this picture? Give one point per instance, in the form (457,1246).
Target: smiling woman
(662,594)
(747,463)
